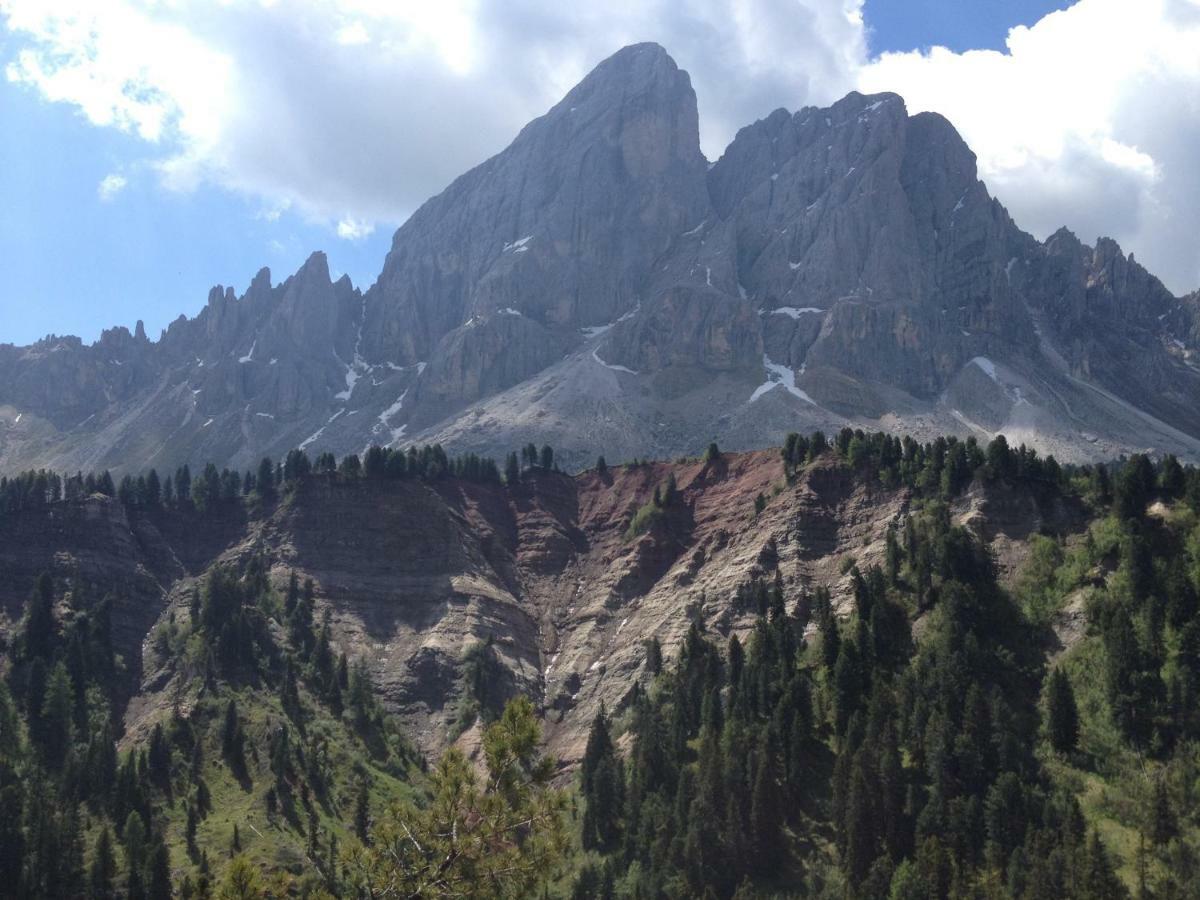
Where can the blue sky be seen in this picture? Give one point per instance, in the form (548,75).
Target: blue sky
(75,263)
(322,121)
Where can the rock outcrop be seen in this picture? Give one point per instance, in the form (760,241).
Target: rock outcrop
(417,576)
(599,285)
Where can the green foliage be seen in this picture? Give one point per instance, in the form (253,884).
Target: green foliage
(1062,714)
(647,516)
(502,835)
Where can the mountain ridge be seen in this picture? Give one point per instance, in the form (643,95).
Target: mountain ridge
(600,286)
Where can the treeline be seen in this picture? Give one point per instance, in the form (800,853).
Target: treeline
(212,488)
(917,760)
(84,820)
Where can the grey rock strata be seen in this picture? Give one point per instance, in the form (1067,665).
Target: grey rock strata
(600,286)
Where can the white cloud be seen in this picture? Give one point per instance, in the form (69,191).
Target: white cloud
(354,229)
(353,34)
(371,106)
(110,185)
(1090,119)
(353,112)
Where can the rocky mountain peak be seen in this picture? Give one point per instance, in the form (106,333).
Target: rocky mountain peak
(597,285)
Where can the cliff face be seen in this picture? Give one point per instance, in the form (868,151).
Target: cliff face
(417,576)
(600,286)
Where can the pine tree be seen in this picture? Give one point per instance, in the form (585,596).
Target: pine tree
(1062,715)
(57,718)
(103,868)
(159,759)
(362,812)
(1163,826)
(37,635)
(602,787)
(233,740)
(190,829)
(264,481)
(861,828)
(653,656)
(158,873)
(1097,880)
(766,811)
(133,839)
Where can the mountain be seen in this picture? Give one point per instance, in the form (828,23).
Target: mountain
(600,286)
(550,572)
(811,673)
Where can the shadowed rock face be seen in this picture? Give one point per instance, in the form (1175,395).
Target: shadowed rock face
(600,286)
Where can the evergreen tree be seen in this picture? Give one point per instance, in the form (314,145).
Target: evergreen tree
(1163,825)
(133,839)
(362,812)
(103,868)
(602,787)
(766,811)
(264,481)
(158,873)
(56,723)
(37,635)
(1062,715)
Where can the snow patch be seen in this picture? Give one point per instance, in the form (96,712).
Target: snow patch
(874,106)
(249,357)
(794,312)
(615,368)
(509,311)
(316,434)
(794,265)
(518,246)
(780,375)
(265,415)
(708,275)
(352,377)
(594,331)
(386,416)
(695,230)
(17,420)
(1008,269)
(989,367)
(358,366)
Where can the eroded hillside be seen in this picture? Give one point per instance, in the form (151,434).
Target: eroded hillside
(458,593)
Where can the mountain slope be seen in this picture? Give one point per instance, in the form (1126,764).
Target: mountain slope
(545,584)
(600,286)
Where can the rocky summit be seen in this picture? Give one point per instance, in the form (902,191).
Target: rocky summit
(600,286)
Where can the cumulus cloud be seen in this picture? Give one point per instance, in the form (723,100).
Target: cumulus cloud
(1090,119)
(352,112)
(354,229)
(110,185)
